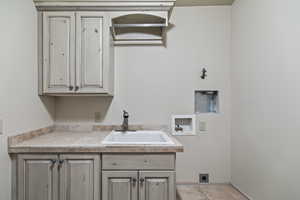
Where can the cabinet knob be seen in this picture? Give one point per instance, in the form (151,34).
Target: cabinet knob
(76,88)
(142,180)
(71,87)
(53,162)
(60,162)
(133,181)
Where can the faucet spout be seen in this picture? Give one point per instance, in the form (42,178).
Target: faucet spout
(125,126)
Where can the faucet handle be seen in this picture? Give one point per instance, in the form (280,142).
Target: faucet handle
(125,114)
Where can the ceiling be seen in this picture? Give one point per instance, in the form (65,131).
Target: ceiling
(203,2)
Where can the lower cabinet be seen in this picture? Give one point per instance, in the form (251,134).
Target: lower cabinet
(141,185)
(119,185)
(78,177)
(58,177)
(157,185)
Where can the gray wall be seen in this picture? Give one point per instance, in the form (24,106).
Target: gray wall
(266,98)
(20,107)
(154,82)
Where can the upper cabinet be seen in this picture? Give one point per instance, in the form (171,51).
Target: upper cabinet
(77,53)
(76,40)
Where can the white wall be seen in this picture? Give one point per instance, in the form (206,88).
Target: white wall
(20,107)
(153,83)
(266,98)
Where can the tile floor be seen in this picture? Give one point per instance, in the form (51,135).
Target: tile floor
(208,192)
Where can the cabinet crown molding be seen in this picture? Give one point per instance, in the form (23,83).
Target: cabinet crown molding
(105,5)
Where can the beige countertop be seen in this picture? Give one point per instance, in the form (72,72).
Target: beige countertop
(55,141)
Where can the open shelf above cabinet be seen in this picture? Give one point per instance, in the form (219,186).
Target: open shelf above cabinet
(139,28)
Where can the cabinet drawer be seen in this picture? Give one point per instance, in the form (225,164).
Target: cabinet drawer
(138,161)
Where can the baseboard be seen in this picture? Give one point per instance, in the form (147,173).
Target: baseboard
(238,189)
(186,183)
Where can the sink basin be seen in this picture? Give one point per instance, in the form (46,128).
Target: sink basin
(137,138)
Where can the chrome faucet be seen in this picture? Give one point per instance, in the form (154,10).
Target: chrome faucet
(125,125)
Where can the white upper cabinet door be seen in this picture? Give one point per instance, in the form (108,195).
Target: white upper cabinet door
(92,29)
(59,52)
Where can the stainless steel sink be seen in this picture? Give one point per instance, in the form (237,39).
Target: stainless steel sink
(138,138)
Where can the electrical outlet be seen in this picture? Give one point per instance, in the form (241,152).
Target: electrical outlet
(204,178)
(202,126)
(97,116)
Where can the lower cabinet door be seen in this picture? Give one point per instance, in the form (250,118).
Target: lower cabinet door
(37,177)
(79,177)
(119,185)
(158,185)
